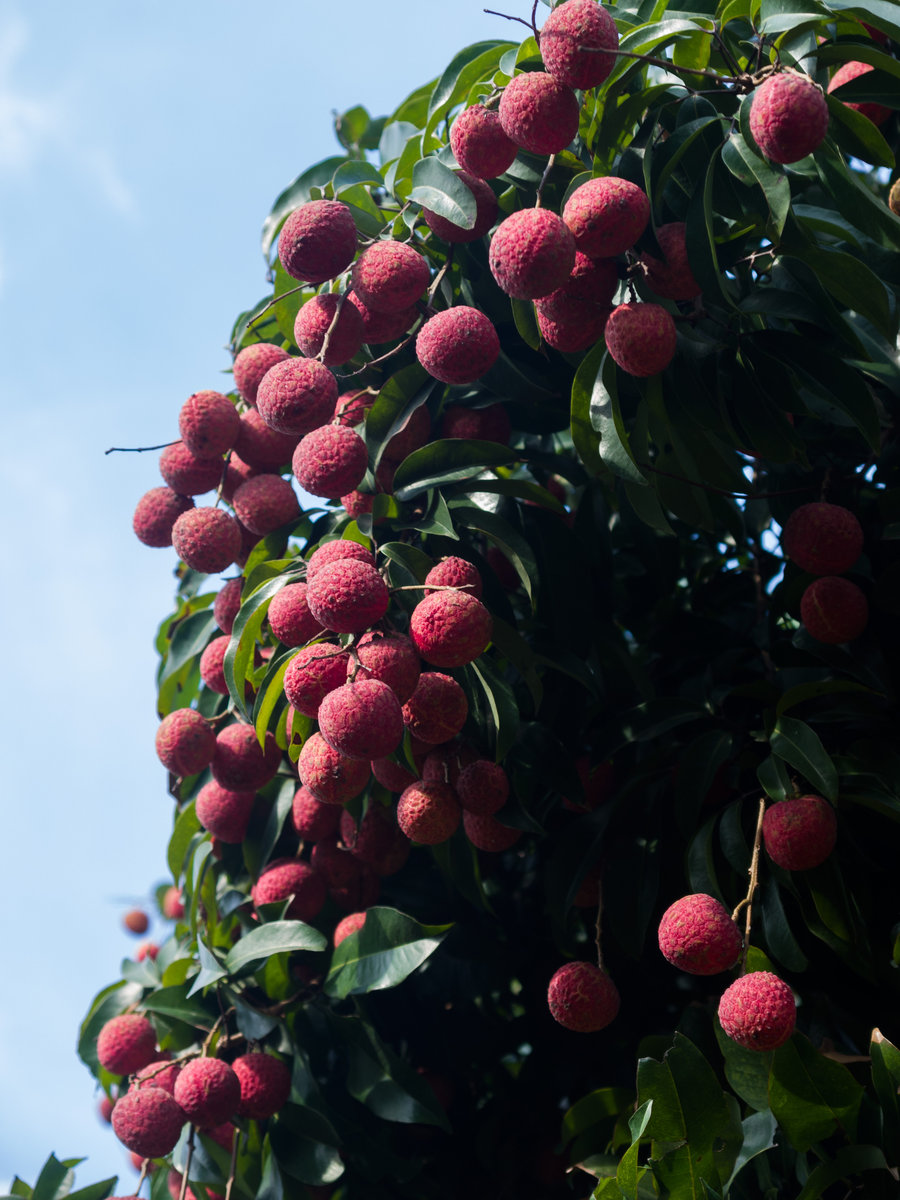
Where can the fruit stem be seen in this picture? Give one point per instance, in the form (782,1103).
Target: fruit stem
(598,925)
(275,300)
(540,188)
(232,1171)
(438,279)
(187,1164)
(747,902)
(138,449)
(492,12)
(329,333)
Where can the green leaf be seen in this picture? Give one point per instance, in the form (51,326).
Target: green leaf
(388,948)
(584,436)
(855,133)
(175,1002)
(810,1095)
(95,1191)
(353,173)
(606,418)
(849,1162)
(502,711)
(211,969)
(188,641)
(397,400)
(465,69)
(747,1071)
(441,191)
(505,537)
(54,1181)
(304,1143)
(187,826)
(799,745)
(773,778)
(758,1136)
(739,157)
(275,937)
(853,285)
(244,635)
(445,461)
(886,1080)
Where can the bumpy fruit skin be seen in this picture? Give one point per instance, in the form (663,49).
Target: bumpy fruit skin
(332,777)
(313,322)
(390,276)
(697,935)
(799,833)
(479,144)
(261,446)
(185,742)
(362,719)
(264,503)
(574,41)
(876,113)
(437,709)
(532,253)
(126,1043)
(330,461)
(186,474)
(312,818)
(351,407)
(486,833)
(671,278)
(240,763)
(482,787)
(641,338)
(206,539)
(313,673)
(485,213)
(208,423)
(330,552)
(287,877)
(208,1091)
(227,603)
(392,775)
(347,925)
(569,324)
(225,814)
(758,1011)
(490,424)
(376,839)
(265,1085)
(894,198)
(352,884)
(455,572)
(156,513)
(317,241)
(380,327)
(428,813)
(606,216)
(148,1121)
(296,396)
(289,616)
(450,629)
(392,658)
(251,364)
(788,117)
(458,345)
(159,1073)
(347,596)
(582,997)
(834,610)
(822,538)
(539,113)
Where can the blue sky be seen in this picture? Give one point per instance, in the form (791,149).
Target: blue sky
(141,147)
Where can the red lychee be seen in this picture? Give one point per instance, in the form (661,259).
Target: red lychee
(351,407)
(568,323)
(290,877)
(450,628)
(347,596)
(185,742)
(330,775)
(238,472)
(532,253)
(265,1085)
(788,116)
(148,1121)
(444,763)
(352,884)
(316,318)
(227,603)
(208,1091)
(834,610)
(376,839)
(437,709)
(105,1106)
(156,513)
(208,423)
(876,113)
(390,276)
(172,905)
(136,921)
(799,833)
(455,572)
(413,433)
(489,424)
(330,461)
(289,616)
(392,775)
(486,833)
(697,935)
(671,278)
(362,719)
(758,1011)
(126,1043)
(582,997)
(312,818)
(578,43)
(606,215)
(260,446)
(313,673)
(428,813)
(479,144)
(458,345)
(822,538)
(329,552)
(296,396)
(206,539)
(212,665)
(162,1072)
(390,657)
(317,241)
(379,327)
(539,113)
(225,814)
(485,213)
(145,950)
(240,764)
(482,787)
(264,503)
(347,925)
(186,474)
(641,338)
(251,364)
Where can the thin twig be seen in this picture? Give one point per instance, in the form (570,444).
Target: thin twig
(235,1139)
(139,449)
(187,1164)
(271,304)
(708,487)
(598,925)
(540,188)
(747,902)
(329,333)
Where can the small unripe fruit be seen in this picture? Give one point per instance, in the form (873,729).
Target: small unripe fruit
(788,116)
(532,253)
(582,997)
(185,742)
(539,113)
(317,241)
(458,346)
(479,144)
(126,1043)
(578,42)
(641,338)
(758,1011)
(606,216)
(265,1085)
(799,833)
(697,935)
(822,538)
(148,1121)
(834,610)
(208,1091)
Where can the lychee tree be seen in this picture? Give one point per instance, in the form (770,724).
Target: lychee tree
(535,800)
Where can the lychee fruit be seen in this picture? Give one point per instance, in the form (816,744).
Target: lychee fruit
(240,763)
(331,776)
(876,113)
(482,787)
(227,604)
(568,323)
(532,253)
(330,461)
(488,424)
(641,338)
(317,241)
(156,513)
(347,596)
(313,673)
(671,277)
(251,364)
(265,1085)
(136,921)
(458,345)
(392,775)
(390,657)
(162,1072)
(428,813)
(185,742)
(313,819)
(206,539)
(208,1091)
(379,327)
(485,213)
(329,552)
(389,276)
(362,719)
(578,43)
(212,665)
(758,1011)
(186,474)
(261,446)
(822,538)
(376,839)
(316,318)
(486,833)
(146,949)
(225,814)
(437,709)
(352,923)
(539,113)
(799,833)
(606,215)
(413,433)
(450,628)
(264,503)
(290,877)
(126,1043)
(105,1106)
(148,1121)
(456,572)
(208,423)
(697,935)
(238,472)
(352,884)
(834,610)
(295,397)
(788,116)
(582,997)
(351,407)
(172,905)
(479,144)
(289,616)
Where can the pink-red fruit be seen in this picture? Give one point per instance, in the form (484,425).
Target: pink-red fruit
(834,610)
(539,113)
(788,116)
(330,461)
(876,113)
(316,320)
(265,1085)
(317,241)
(606,216)
(290,877)
(296,396)
(641,338)
(148,1121)
(206,539)
(362,719)
(208,423)
(251,365)
(578,43)
(185,742)
(532,253)
(347,596)
(582,997)
(799,833)
(458,345)
(208,1091)
(156,513)
(390,276)
(428,813)
(697,935)
(822,538)
(126,1043)
(485,213)
(758,1011)
(671,277)
(450,628)
(479,144)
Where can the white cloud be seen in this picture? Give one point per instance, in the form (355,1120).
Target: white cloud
(26,122)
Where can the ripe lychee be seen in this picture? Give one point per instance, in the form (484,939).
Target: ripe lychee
(331,776)
(445,763)
(289,616)
(671,278)
(392,775)
(238,472)
(295,397)
(172,904)
(251,364)
(351,407)
(186,474)
(482,787)
(148,1121)
(578,43)
(390,657)
(313,819)
(532,253)
(379,327)
(225,814)
(376,839)
(788,116)
(568,323)
(347,596)
(290,877)
(641,338)
(876,113)
(136,921)
(834,610)
(390,276)
(240,764)
(156,513)
(450,628)
(697,934)
(208,423)
(822,538)
(539,113)
(264,503)
(352,884)
(317,241)
(315,319)
(330,461)
(227,603)
(206,539)
(261,446)
(489,424)
(212,665)
(329,552)
(105,1106)
(412,434)
(458,345)
(265,1085)
(799,833)
(185,742)
(606,215)
(457,572)
(146,949)
(486,833)
(437,709)
(362,719)
(758,1011)
(126,1043)
(162,1072)
(428,813)
(208,1091)
(485,213)
(479,144)
(347,925)
(582,997)
(313,673)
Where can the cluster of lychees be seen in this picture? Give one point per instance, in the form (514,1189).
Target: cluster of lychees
(825,540)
